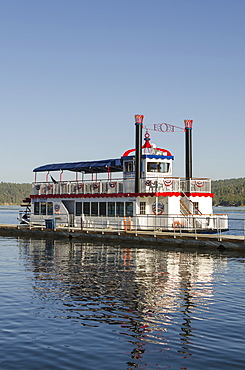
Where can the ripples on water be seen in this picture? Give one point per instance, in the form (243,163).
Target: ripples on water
(68,305)
(9,214)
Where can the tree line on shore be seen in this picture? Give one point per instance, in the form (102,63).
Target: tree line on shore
(12,193)
(230,192)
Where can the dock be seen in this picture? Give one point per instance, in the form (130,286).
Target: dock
(156,239)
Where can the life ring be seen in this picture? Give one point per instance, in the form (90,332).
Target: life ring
(168,182)
(176,224)
(96,185)
(80,186)
(57,208)
(160,208)
(49,187)
(148,183)
(199,183)
(112,184)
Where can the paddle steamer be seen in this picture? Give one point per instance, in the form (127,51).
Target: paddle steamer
(133,192)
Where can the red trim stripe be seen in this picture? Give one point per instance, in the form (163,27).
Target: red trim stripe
(121,195)
(200,195)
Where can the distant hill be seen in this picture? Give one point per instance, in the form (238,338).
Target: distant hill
(226,192)
(230,192)
(11,193)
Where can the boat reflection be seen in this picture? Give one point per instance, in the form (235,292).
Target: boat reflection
(149,296)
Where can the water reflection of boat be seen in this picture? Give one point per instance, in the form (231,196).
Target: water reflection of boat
(144,291)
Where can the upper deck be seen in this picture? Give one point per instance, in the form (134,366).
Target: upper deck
(104,187)
(155,176)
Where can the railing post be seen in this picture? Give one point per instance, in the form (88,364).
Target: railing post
(219,229)
(174,229)
(195,228)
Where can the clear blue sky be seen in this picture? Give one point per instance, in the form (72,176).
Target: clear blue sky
(74,73)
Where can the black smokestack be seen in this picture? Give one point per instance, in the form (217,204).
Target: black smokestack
(188,149)
(138,151)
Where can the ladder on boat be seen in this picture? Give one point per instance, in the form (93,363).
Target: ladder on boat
(189,212)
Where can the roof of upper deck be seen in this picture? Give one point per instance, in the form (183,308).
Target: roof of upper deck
(112,165)
(115,165)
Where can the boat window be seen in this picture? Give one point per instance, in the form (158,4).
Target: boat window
(86,208)
(142,208)
(120,208)
(79,208)
(111,209)
(157,167)
(129,166)
(129,208)
(102,208)
(36,208)
(50,208)
(43,208)
(94,209)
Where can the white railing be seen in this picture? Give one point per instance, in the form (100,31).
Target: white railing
(75,187)
(176,223)
(196,185)
(149,185)
(192,223)
(161,185)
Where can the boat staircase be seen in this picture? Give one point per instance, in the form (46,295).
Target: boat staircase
(24,215)
(189,210)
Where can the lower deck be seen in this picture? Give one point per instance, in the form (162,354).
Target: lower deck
(208,223)
(156,212)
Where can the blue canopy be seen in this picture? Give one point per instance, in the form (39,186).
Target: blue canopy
(86,167)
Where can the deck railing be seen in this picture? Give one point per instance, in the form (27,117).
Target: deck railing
(149,185)
(196,185)
(176,223)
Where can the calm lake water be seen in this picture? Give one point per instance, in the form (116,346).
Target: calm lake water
(74,305)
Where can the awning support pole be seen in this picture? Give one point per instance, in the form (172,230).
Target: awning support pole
(109,173)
